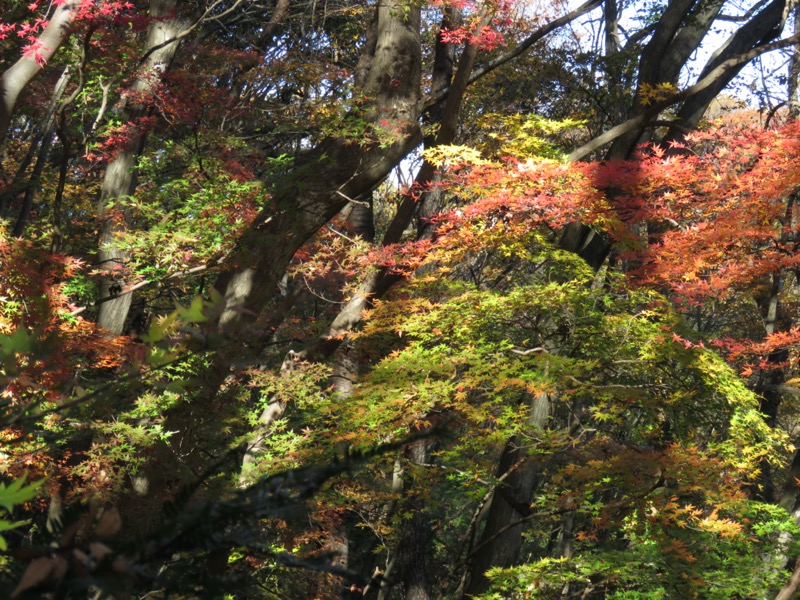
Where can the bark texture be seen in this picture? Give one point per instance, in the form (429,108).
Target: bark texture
(338,170)
(44,142)
(325,181)
(763,28)
(120,176)
(20,74)
(678,34)
(41,144)
(501,540)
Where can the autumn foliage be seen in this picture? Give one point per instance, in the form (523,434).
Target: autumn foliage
(441,395)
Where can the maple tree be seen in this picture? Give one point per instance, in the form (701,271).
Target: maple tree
(234,343)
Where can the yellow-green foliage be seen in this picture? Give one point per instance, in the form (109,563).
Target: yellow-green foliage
(522,136)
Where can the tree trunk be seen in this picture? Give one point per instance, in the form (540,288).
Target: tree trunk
(45,142)
(763,28)
(15,78)
(794,70)
(335,172)
(611,21)
(678,34)
(501,540)
(45,131)
(787,592)
(119,180)
(408,562)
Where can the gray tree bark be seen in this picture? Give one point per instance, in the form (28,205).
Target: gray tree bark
(762,29)
(337,171)
(788,590)
(794,70)
(407,564)
(499,544)
(20,74)
(45,142)
(642,120)
(46,128)
(333,174)
(611,22)
(679,32)
(119,180)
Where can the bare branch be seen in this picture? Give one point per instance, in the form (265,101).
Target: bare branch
(644,119)
(521,47)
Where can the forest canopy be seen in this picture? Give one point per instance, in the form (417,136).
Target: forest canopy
(393,299)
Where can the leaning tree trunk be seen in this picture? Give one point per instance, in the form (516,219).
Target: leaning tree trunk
(16,77)
(763,28)
(377,281)
(119,180)
(335,172)
(338,171)
(39,142)
(45,143)
(679,32)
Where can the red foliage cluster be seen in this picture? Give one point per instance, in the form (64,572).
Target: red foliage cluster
(120,138)
(32,289)
(703,220)
(719,216)
(485,37)
(87,12)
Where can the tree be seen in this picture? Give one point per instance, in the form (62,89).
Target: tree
(547,325)
(163,33)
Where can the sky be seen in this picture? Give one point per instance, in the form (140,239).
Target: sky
(760,84)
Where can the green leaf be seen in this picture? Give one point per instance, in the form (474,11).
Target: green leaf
(6,526)
(195,313)
(17,493)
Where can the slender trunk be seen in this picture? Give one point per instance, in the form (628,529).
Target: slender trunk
(119,180)
(57,244)
(408,562)
(794,70)
(379,281)
(15,78)
(788,590)
(768,386)
(790,501)
(46,127)
(499,544)
(66,155)
(45,141)
(768,389)
(611,19)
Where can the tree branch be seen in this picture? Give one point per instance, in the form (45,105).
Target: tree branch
(642,120)
(132,288)
(519,48)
